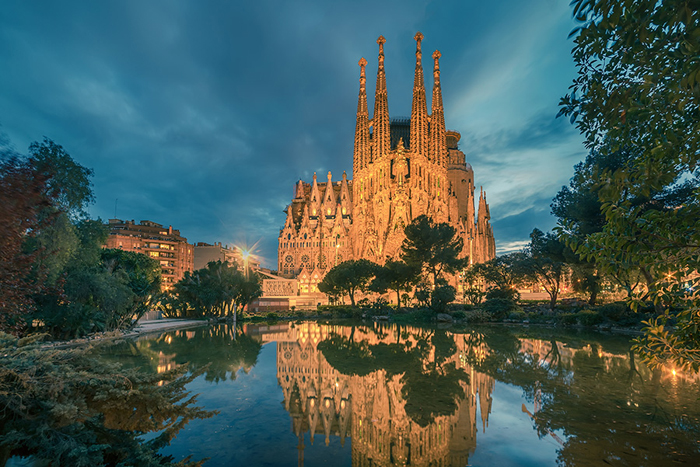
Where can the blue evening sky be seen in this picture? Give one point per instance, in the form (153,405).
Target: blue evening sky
(203,114)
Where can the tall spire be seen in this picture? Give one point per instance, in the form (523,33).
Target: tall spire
(361,155)
(438,145)
(382,141)
(419,109)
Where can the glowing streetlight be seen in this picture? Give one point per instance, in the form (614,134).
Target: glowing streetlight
(245,254)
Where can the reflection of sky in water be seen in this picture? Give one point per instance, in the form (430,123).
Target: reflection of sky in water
(253,428)
(508,422)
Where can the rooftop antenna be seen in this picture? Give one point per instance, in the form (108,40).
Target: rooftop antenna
(115,207)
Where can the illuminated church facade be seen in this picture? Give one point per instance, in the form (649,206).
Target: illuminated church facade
(402,168)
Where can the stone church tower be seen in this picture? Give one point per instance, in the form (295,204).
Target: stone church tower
(402,168)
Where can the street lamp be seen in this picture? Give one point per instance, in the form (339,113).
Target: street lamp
(245,254)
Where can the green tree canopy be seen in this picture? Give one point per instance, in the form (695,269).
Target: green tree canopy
(638,93)
(433,247)
(348,278)
(545,263)
(396,276)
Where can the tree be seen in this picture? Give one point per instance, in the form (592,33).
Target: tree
(67,181)
(348,278)
(397,276)
(247,291)
(141,274)
(638,91)
(502,272)
(21,202)
(472,290)
(434,247)
(544,263)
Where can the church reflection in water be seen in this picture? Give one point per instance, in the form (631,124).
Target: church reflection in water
(371,409)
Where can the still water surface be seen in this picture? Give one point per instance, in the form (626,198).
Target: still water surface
(382,395)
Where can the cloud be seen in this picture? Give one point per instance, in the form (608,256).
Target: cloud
(204,116)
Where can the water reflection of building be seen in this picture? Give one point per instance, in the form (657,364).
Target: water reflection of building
(370,409)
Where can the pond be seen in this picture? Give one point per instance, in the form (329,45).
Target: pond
(382,395)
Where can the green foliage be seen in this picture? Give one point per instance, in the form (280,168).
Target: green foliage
(433,247)
(459,314)
(67,407)
(397,276)
(471,285)
(636,97)
(68,183)
(502,272)
(215,291)
(499,308)
(442,295)
(589,317)
(103,289)
(544,262)
(348,278)
(567,319)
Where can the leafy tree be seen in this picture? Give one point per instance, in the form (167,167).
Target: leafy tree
(544,263)
(348,278)
(578,207)
(442,295)
(70,408)
(215,291)
(247,291)
(472,289)
(397,276)
(502,272)
(67,181)
(141,274)
(433,247)
(637,91)
(21,202)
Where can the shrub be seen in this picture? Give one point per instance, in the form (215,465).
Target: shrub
(567,319)
(507,294)
(459,314)
(615,311)
(272,316)
(517,315)
(499,308)
(478,316)
(589,317)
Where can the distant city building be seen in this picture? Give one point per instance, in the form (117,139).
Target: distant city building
(204,253)
(150,238)
(402,168)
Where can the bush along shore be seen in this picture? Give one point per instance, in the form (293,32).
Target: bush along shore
(616,316)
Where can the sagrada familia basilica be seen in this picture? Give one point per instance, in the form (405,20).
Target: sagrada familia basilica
(402,168)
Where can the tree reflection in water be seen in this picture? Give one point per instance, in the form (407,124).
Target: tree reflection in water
(402,394)
(409,395)
(218,351)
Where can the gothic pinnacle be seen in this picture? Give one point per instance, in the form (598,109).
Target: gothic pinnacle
(381,41)
(380,118)
(418,37)
(360,155)
(419,107)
